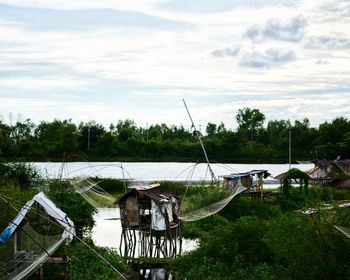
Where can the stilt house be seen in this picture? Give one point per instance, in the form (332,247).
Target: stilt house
(149,208)
(150,222)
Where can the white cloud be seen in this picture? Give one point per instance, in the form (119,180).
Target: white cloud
(119,67)
(327,42)
(277,29)
(268,58)
(233,51)
(339,7)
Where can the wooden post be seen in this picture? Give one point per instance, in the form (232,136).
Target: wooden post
(15,248)
(290,148)
(65,259)
(41,273)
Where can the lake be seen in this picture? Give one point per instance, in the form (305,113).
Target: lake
(154,171)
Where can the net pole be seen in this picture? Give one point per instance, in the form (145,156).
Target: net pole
(213,177)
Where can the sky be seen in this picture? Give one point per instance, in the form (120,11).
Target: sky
(110,60)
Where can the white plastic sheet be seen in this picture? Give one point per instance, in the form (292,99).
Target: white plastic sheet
(50,208)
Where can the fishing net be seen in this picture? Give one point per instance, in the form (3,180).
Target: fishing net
(199,200)
(344,230)
(92,192)
(89,189)
(26,251)
(95,170)
(343,167)
(210,209)
(208,200)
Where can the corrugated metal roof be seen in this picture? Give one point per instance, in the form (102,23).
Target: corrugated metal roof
(156,193)
(246,174)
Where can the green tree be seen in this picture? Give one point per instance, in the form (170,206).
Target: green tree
(333,139)
(6,144)
(303,139)
(22,131)
(334,131)
(221,128)
(181,134)
(22,134)
(250,121)
(74,205)
(21,174)
(211,129)
(105,145)
(277,133)
(127,130)
(89,134)
(154,133)
(57,137)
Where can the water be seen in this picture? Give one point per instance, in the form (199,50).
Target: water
(154,171)
(108,229)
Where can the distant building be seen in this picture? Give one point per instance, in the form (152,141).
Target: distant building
(252,180)
(331,172)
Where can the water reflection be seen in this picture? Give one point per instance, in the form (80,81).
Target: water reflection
(107,232)
(152,244)
(151,273)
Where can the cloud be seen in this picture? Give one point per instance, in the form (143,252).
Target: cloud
(321,61)
(327,42)
(276,29)
(134,56)
(269,58)
(341,7)
(233,51)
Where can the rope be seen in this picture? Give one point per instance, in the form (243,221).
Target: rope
(81,240)
(33,239)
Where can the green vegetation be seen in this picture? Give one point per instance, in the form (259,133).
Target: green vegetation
(19,173)
(252,141)
(75,206)
(250,239)
(85,265)
(295,174)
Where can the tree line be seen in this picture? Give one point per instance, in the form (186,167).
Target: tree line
(254,141)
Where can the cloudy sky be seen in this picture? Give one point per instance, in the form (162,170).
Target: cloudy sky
(107,60)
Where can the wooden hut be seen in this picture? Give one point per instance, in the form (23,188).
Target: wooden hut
(153,214)
(331,172)
(252,180)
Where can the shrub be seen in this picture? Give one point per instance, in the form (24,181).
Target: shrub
(74,205)
(21,173)
(112,185)
(11,201)
(86,265)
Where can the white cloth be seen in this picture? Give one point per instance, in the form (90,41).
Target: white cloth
(158,221)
